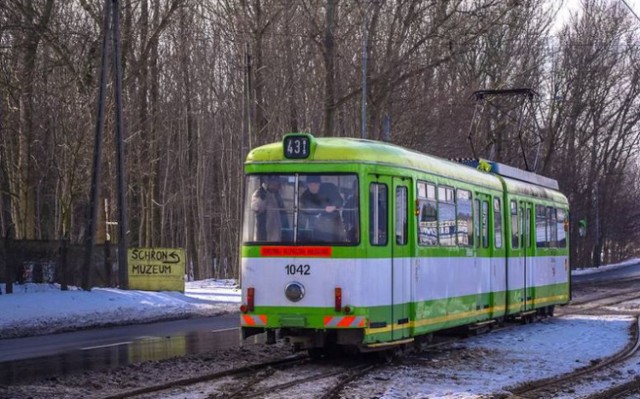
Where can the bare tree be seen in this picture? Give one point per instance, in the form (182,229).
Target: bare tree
(190,94)
(600,77)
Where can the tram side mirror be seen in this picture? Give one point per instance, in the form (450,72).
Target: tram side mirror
(582,228)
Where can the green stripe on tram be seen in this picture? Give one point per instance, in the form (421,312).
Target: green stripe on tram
(430,316)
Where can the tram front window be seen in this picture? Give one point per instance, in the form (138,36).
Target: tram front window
(304,209)
(269,209)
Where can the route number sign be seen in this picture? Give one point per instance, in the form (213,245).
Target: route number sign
(297,147)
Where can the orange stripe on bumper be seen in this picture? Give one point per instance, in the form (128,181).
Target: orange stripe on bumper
(346,321)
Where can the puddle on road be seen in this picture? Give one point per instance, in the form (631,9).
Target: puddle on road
(112,356)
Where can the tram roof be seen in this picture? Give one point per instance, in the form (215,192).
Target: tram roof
(531,190)
(342,149)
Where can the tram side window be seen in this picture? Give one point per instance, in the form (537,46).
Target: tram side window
(552,227)
(465,221)
(378,205)
(446,216)
(428,215)
(485,224)
(541,227)
(526,227)
(401,215)
(497,222)
(476,221)
(515,231)
(562,234)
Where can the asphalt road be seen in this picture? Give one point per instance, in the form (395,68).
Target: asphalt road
(24,359)
(614,274)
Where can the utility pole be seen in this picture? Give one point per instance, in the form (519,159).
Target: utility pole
(597,248)
(90,237)
(248,87)
(123,225)
(110,28)
(365,51)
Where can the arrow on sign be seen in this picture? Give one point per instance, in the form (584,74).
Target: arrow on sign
(173,258)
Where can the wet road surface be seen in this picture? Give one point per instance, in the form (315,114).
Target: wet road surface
(625,272)
(33,358)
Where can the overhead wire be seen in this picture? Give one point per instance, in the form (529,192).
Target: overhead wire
(630,9)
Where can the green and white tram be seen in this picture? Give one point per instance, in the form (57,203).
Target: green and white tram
(364,244)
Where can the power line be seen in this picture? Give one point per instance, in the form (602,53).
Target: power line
(630,9)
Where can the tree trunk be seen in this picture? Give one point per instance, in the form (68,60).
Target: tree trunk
(329,74)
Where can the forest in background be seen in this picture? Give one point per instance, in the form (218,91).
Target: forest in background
(205,80)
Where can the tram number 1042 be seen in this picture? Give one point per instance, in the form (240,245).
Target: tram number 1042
(302,270)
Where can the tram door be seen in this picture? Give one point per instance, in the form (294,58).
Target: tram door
(526,210)
(482,217)
(388,236)
(401,258)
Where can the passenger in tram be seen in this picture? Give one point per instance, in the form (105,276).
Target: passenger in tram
(320,205)
(350,215)
(271,215)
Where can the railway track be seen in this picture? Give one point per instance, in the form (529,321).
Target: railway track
(592,302)
(604,306)
(262,379)
(269,384)
(625,391)
(253,369)
(334,393)
(548,387)
(282,377)
(596,290)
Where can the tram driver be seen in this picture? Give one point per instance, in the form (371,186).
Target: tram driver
(320,205)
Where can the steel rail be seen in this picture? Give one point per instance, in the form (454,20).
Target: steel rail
(291,361)
(359,370)
(534,389)
(336,390)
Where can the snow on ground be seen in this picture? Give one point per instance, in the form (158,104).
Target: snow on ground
(479,367)
(486,365)
(36,309)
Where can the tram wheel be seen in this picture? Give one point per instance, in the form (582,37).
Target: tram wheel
(315,353)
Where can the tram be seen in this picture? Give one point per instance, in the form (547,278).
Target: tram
(366,245)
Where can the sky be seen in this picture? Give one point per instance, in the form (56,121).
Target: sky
(571,6)
(546,348)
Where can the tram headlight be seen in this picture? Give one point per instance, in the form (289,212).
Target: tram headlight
(294,291)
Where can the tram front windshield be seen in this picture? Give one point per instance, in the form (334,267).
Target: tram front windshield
(302,209)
